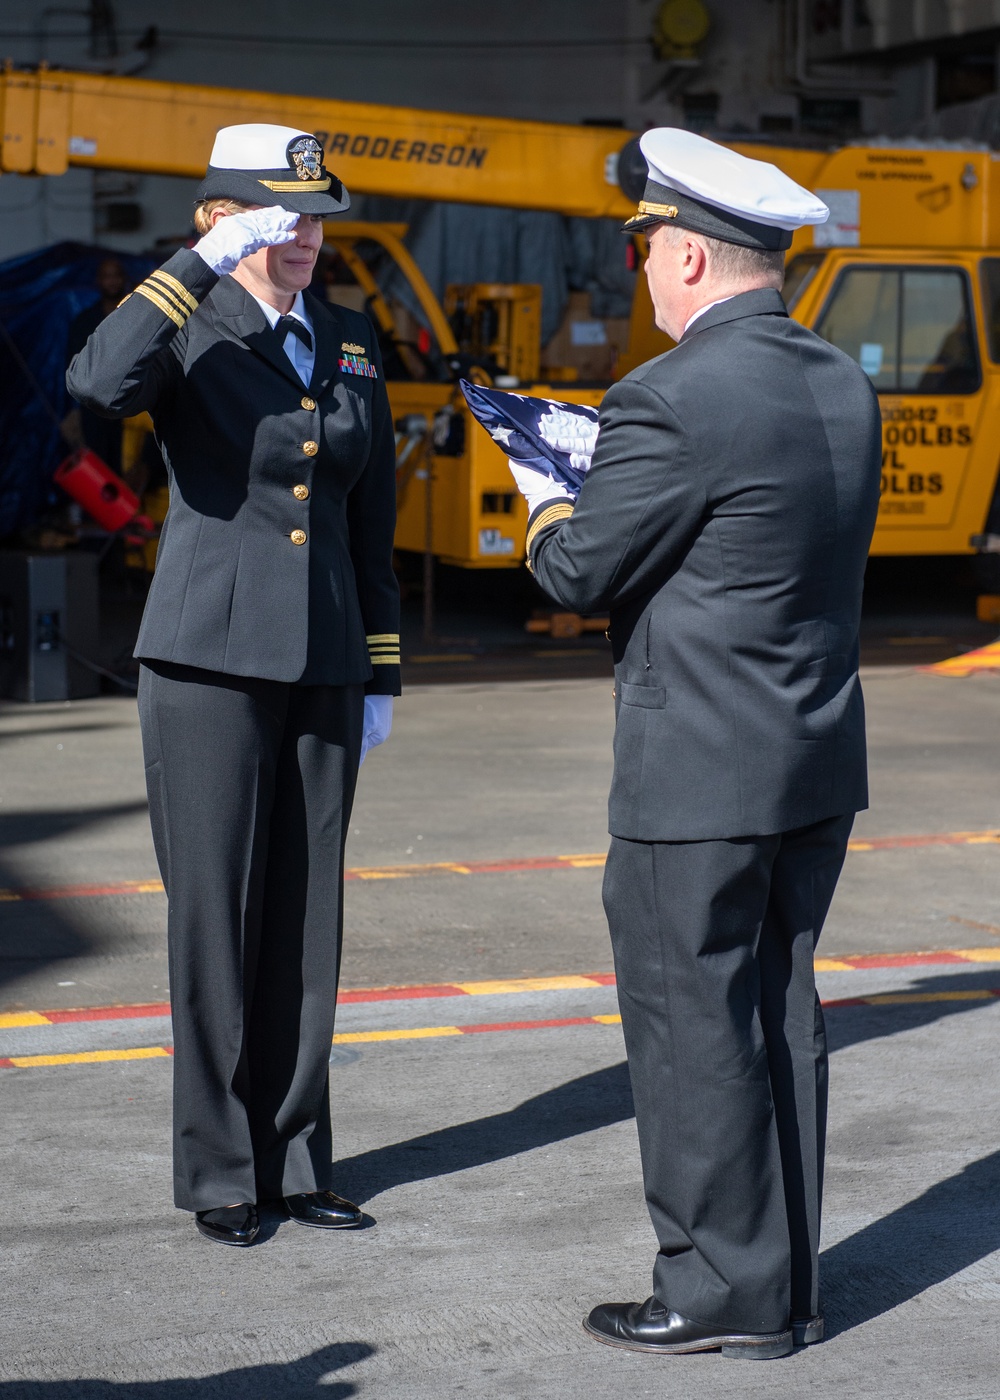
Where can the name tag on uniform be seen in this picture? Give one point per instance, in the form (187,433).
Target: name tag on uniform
(354,360)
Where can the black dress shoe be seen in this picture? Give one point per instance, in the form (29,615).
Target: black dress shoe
(324,1210)
(650,1326)
(807,1330)
(237,1225)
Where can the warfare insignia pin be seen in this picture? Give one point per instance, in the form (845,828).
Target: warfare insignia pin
(352,349)
(306,154)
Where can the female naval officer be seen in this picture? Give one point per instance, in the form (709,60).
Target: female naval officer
(269,655)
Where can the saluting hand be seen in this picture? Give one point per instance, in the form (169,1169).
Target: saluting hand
(236,236)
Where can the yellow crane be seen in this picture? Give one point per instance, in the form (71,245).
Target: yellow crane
(905,277)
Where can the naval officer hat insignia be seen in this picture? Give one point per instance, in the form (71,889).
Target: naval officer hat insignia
(257,163)
(707,188)
(307,156)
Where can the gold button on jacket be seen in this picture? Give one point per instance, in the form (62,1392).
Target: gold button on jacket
(298,537)
(310,448)
(301,493)
(309,403)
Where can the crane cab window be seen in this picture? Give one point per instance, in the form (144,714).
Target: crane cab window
(909,328)
(990,272)
(799,273)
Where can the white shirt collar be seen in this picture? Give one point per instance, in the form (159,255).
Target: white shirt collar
(298,311)
(301,357)
(700,312)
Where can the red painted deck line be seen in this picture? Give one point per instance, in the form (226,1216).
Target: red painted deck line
(914,998)
(587,861)
(25,893)
(529,1025)
(108,1013)
(946,838)
(359,995)
(907,959)
(440,1032)
(351,998)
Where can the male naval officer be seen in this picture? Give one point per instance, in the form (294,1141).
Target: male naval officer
(725,523)
(270,655)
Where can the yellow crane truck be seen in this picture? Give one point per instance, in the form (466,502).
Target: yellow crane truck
(905,277)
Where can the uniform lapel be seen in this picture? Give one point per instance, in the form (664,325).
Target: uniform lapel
(328,341)
(237,308)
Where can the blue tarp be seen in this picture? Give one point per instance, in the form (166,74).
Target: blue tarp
(41,294)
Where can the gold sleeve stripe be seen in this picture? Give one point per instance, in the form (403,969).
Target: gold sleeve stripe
(385,660)
(562,510)
(178,288)
(168,296)
(123,300)
(382,637)
(161,304)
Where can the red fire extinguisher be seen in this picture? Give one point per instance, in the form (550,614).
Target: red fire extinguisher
(101,492)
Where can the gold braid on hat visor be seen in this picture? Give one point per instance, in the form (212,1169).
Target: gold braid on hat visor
(296,186)
(647,209)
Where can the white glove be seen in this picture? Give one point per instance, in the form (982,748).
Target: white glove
(536,488)
(569,432)
(377,723)
(238,235)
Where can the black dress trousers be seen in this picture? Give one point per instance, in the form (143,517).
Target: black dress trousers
(713,945)
(250,789)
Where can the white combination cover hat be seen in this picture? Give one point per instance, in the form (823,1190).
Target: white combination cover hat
(700,185)
(272,165)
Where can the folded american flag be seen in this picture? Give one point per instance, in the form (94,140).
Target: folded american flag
(553,438)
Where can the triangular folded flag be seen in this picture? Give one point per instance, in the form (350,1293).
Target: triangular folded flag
(553,438)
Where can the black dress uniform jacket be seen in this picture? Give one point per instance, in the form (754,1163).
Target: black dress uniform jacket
(725,523)
(275,558)
(273,606)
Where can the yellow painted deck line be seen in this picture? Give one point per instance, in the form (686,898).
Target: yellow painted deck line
(12,1020)
(436,1032)
(508,986)
(589,860)
(421,1033)
(911,998)
(910,843)
(526,984)
(985,658)
(91,1057)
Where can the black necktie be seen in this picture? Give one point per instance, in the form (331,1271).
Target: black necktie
(284,324)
